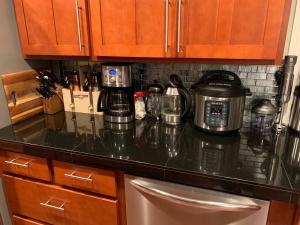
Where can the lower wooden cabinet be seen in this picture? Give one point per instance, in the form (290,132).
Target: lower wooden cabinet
(85,178)
(25,165)
(297,216)
(281,213)
(76,195)
(55,205)
(17,220)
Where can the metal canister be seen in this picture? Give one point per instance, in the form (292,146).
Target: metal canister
(295,113)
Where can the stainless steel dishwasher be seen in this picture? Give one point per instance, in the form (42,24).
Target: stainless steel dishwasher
(153,202)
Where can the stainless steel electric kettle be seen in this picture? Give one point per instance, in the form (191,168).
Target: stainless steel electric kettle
(176,102)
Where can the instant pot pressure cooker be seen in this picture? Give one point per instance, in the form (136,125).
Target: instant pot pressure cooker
(219,102)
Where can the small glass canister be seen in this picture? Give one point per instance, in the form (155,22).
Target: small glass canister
(263,116)
(153,101)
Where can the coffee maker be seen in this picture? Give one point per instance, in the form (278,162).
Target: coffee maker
(116,99)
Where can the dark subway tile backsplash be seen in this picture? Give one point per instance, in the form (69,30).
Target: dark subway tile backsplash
(260,79)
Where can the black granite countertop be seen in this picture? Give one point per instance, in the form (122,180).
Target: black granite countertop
(238,163)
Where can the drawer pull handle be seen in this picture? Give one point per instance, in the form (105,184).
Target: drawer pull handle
(72,175)
(47,204)
(13,162)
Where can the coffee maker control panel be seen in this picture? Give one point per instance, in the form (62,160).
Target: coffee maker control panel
(116,76)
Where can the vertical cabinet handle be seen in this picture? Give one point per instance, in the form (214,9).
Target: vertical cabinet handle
(13,162)
(167,27)
(77,8)
(48,205)
(179,26)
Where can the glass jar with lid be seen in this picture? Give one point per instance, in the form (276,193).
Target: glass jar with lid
(153,100)
(262,116)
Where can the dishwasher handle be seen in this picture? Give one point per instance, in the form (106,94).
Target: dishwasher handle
(154,190)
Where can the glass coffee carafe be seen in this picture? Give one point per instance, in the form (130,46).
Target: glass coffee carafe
(117,104)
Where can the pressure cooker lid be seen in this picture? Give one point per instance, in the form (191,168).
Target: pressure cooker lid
(220,83)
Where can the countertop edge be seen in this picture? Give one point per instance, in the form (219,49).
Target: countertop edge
(233,186)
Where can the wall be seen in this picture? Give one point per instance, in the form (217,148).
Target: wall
(11,60)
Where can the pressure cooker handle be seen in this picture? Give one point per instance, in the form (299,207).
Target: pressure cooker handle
(187,101)
(248,92)
(220,76)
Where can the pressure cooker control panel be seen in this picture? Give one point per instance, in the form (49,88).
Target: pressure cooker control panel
(216,113)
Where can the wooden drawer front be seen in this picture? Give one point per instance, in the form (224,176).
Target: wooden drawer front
(85,178)
(25,165)
(55,205)
(17,220)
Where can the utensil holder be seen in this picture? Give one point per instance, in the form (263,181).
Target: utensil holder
(81,101)
(53,105)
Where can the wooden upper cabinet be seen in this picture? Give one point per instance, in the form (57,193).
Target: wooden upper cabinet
(190,29)
(233,29)
(131,28)
(53,27)
(201,29)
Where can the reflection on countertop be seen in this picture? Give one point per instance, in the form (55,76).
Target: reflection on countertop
(245,159)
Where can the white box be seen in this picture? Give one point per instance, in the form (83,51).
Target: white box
(81,101)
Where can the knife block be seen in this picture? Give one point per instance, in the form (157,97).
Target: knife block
(53,105)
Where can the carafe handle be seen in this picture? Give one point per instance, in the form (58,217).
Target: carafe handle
(102,101)
(146,104)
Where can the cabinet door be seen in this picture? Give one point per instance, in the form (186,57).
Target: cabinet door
(25,165)
(232,29)
(17,220)
(297,216)
(85,178)
(276,217)
(130,28)
(55,205)
(53,27)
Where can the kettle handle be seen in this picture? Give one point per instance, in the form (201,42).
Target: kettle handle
(188,101)
(146,104)
(102,101)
